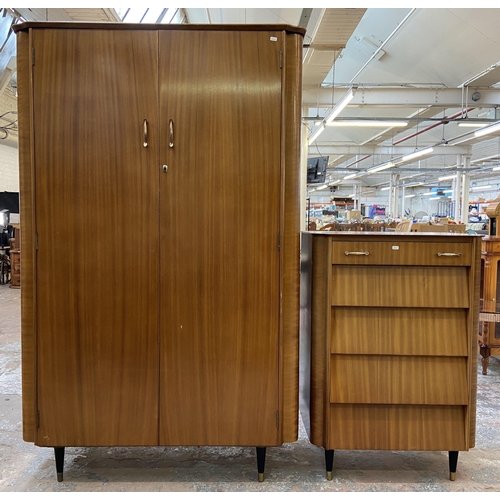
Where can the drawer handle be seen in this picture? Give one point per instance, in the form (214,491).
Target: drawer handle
(449,255)
(357,253)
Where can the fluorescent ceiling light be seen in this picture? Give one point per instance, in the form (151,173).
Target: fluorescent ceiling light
(434,199)
(346,99)
(414,184)
(410,196)
(321,187)
(417,154)
(447,177)
(496,168)
(487,130)
(385,188)
(448,191)
(384,166)
(350,176)
(471,124)
(480,187)
(367,123)
(351,195)
(316,134)
(428,194)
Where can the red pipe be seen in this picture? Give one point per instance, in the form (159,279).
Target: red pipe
(357,161)
(446,119)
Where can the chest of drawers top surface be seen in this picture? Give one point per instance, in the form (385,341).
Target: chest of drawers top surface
(399,248)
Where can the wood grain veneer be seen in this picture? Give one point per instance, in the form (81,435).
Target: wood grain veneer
(404,252)
(220,273)
(396,427)
(290,249)
(320,320)
(96,203)
(372,330)
(398,379)
(401,286)
(472,327)
(27,209)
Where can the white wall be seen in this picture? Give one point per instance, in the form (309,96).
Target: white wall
(9,169)
(9,160)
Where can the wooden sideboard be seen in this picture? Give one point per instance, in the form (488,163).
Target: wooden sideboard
(389,341)
(15,269)
(15,258)
(489,333)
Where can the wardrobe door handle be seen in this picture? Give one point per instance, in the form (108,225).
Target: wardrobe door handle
(171,139)
(449,255)
(145,134)
(357,253)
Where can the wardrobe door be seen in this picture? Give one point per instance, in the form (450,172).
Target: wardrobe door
(220,113)
(97,224)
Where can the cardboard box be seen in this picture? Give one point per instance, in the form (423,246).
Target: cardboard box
(354,214)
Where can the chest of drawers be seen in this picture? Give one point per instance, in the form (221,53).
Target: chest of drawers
(388,341)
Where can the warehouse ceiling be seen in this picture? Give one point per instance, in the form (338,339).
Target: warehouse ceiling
(436,69)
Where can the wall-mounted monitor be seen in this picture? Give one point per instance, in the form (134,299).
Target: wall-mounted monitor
(316,170)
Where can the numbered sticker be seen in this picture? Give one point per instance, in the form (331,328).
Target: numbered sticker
(395,247)
(273,39)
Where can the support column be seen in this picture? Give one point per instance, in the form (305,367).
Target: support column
(465,192)
(357,190)
(457,184)
(394,195)
(304,151)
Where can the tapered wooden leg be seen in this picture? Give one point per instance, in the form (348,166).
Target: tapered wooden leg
(261,462)
(453,460)
(59,453)
(485,353)
(329,464)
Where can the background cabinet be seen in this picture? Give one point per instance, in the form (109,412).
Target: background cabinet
(388,342)
(159,198)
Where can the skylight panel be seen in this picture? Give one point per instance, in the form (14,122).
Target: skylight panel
(134,15)
(169,15)
(152,15)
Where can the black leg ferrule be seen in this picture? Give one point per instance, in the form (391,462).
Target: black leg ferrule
(261,462)
(59,453)
(329,464)
(453,460)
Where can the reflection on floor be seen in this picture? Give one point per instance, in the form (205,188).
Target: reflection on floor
(295,467)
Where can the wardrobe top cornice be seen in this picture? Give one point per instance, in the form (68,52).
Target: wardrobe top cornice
(142,27)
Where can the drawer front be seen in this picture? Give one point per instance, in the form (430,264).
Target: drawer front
(387,286)
(401,253)
(491,246)
(422,380)
(408,331)
(388,427)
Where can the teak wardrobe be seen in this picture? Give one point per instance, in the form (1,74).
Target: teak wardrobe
(159,173)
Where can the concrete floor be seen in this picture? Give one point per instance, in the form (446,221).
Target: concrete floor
(295,467)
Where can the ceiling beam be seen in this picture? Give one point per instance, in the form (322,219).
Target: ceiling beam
(403,97)
(393,151)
